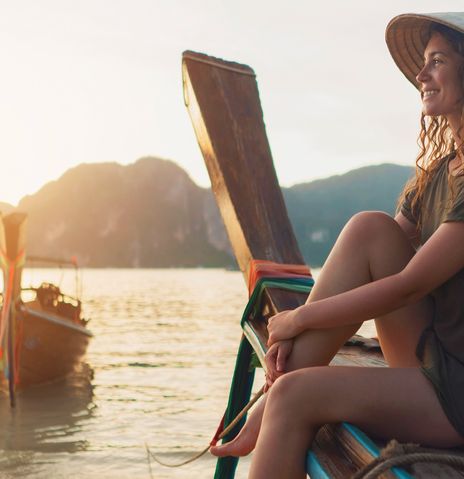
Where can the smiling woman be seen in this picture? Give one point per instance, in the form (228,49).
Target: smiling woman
(440,78)
(441,82)
(406,272)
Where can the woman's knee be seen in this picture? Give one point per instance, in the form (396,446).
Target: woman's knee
(284,391)
(295,388)
(380,234)
(372,223)
(304,395)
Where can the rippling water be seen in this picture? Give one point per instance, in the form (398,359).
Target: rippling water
(157,372)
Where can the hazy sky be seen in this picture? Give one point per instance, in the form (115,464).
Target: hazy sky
(100,80)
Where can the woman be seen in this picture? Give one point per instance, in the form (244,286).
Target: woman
(375,271)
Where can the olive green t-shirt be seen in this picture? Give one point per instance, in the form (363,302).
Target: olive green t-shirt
(441,348)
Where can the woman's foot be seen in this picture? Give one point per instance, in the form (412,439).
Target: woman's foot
(245,441)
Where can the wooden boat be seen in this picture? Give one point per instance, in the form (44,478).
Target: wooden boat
(223,102)
(44,337)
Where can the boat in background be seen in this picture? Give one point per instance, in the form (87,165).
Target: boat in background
(43,336)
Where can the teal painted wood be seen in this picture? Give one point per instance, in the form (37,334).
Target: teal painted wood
(297,285)
(314,467)
(240,392)
(370,446)
(315,470)
(254,305)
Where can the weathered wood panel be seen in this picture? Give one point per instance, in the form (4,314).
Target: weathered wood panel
(223,101)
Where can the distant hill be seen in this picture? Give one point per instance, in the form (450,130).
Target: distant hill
(147,214)
(151,214)
(319,210)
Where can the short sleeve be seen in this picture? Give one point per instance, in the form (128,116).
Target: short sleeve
(412,214)
(456,211)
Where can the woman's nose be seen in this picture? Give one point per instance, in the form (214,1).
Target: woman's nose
(422,75)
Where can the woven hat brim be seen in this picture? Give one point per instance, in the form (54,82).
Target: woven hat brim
(407,36)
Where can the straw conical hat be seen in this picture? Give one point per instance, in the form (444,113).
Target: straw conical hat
(407,37)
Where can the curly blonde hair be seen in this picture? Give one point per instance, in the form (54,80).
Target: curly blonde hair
(436,141)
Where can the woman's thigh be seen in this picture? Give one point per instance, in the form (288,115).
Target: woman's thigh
(399,332)
(395,403)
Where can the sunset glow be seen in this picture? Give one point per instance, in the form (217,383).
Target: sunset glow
(86,82)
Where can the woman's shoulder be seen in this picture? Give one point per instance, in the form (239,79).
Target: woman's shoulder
(439,171)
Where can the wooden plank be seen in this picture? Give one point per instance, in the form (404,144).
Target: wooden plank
(13,246)
(361,451)
(233,140)
(14,226)
(325,448)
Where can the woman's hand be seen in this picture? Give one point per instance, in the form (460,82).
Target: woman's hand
(283,325)
(275,360)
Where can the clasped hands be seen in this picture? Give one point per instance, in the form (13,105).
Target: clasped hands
(282,328)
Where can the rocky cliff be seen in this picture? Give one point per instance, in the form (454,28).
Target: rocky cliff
(147,214)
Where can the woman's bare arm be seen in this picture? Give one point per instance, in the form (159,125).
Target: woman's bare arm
(409,228)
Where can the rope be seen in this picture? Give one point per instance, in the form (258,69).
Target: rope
(395,455)
(216,437)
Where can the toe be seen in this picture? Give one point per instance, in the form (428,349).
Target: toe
(219,451)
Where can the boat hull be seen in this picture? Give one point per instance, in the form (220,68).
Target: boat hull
(50,346)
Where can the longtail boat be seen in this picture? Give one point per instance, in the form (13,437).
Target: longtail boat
(42,337)
(222,99)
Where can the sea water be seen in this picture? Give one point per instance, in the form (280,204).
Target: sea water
(157,375)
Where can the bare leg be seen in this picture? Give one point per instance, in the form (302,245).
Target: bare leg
(390,402)
(370,247)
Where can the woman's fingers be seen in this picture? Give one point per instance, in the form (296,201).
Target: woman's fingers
(282,327)
(283,351)
(275,359)
(271,361)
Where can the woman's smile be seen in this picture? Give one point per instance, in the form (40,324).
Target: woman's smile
(428,93)
(440,79)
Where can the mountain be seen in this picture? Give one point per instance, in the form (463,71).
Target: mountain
(319,210)
(151,214)
(147,214)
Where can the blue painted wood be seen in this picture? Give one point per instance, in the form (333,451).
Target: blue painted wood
(314,467)
(372,448)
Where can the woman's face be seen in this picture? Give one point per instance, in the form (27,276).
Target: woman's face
(441,80)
